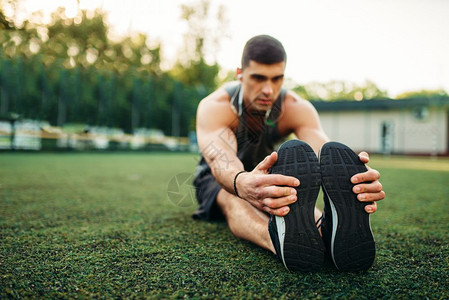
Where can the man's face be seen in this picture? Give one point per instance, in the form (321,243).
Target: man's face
(261,84)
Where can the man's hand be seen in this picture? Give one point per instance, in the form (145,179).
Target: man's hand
(368,188)
(271,193)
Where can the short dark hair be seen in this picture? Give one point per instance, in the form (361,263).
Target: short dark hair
(263,49)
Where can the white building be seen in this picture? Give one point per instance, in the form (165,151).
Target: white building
(413,126)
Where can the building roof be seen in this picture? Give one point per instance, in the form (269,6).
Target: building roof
(384,104)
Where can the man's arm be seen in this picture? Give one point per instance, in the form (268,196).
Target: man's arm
(217,142)
(302,118)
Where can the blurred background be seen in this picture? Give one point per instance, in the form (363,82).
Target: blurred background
(128,75)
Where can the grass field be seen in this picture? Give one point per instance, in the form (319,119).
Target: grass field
(77,225)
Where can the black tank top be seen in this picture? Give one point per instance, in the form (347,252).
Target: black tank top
(254,144)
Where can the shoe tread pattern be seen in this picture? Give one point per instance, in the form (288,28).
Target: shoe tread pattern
(354,247)
(303,246)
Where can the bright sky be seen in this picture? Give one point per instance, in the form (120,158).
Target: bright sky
(400,45)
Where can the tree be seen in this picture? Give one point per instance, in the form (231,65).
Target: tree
(197,74)
(340,90)
(200,41)
(423,94)
(71,71)
(5,22)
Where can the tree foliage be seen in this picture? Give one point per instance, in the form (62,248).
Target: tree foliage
(340,90)
(423,94)
(70,71)
(192,67)
(5,22)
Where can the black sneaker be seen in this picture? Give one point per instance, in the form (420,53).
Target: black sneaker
(295,237)
(346,226)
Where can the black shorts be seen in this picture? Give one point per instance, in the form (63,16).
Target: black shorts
(206,189)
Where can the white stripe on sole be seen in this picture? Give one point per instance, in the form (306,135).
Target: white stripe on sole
(334,224)
(334,227)
(280,226)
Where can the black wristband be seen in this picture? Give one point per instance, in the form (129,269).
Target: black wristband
(235,183)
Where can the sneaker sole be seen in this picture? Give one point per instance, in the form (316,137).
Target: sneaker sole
(352,241)
(302,248)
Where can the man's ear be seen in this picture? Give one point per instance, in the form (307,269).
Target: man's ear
(238,74)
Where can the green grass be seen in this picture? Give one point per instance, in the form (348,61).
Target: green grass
(102,225)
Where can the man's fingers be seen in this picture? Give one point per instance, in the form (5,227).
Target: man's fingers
(274,203)
(278,179)
(281,212)
(267,163)
(368,197)
(373,187)
(370,175)
(371,208)
(364,157)
(278,191)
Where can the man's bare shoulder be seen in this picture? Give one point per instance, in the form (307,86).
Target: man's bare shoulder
(297,105)
(292,100)
(296,113)
(218,98)
(216,109)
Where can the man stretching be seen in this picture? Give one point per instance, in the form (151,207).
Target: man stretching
(269,197)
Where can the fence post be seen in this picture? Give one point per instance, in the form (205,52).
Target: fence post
(4,106)
(62,105)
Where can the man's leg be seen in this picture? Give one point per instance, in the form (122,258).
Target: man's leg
(247,222)
(294,237)
(244,220)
